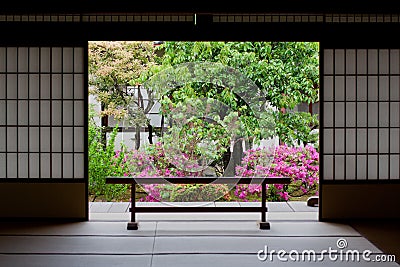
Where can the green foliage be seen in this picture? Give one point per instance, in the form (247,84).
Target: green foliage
(112,67)
(286,72)
(295,127)
(103,162)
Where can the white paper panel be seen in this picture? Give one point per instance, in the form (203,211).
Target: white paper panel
(79,161)
(394,88)
(384,61)
(12,168)
(78,60)
(23,139)
(362,88)
(372,61)
(372,167)
(350,61)
(372,140)
(34,59)
(361,167)
(34,112)
(45,59)
(45,135)
(394,61)
(383,167)
(339,61)
(68,139)
(394,140)
(56,86)
(361,61)
(79,144)
(23,112)
(79,92)
(384,114)
(361,140)
(2,86)
(339,114)
(3,59)
(12,90)
(328,61)
(372,114)
(34,165)
(351,88)
(12,139)
(23,163)
(373,88)
(12,112)
(3,162)
(351,114)
(339,141)
(34,86)
(79,113)
(45,112)
(328,114)
(394,114)
(12,59)
(45,86)
(339,88)
(68,58)
(23,58)
(3,136)
(23,89)
(56,59)
(56,139)
(68,112)
(383,140)
(350,167)
(68,89)
(328,141)
(34,139)
(328,167)
(45,165)
(351,141)
(68,166)
(56,163)
(328,88)
(3,119)
(361,114)
(339,167)
(394,167)
(56,112)
(384,88)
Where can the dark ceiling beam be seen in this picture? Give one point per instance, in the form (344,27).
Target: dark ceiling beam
(200,6)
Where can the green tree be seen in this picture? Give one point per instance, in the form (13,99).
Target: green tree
(113,66)
(287,72)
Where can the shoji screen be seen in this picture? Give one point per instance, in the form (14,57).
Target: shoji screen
(360,133)
(42,132)
(42,103)
(361,98)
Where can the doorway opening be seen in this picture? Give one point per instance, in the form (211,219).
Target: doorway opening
(185,109)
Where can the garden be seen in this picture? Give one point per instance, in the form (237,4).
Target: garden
(195,109)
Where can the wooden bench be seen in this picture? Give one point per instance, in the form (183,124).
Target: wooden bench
(263,181)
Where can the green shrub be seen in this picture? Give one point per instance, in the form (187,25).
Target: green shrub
(103,162)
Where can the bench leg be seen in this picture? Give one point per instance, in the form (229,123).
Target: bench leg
(133,224)
(264,225)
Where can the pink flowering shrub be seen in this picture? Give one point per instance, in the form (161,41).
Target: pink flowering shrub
(153,162)
(299,163)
